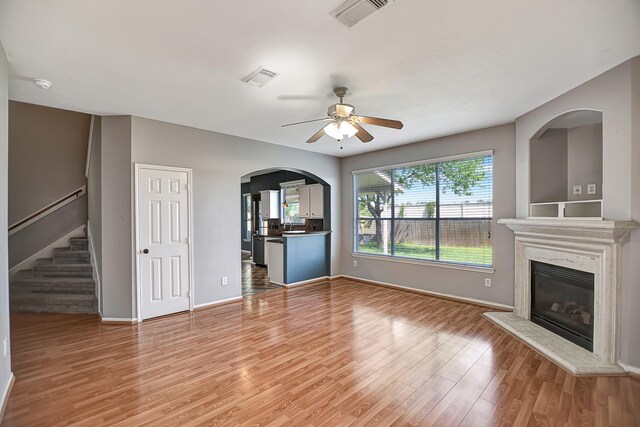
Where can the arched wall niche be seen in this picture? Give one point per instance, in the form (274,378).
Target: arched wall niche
(565,166)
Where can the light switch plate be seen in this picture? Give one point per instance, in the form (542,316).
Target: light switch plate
(577,190)
(591,188)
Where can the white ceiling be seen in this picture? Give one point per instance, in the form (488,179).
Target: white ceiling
(441,67)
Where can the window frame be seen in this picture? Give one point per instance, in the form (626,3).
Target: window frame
(283,187)
(247,216)
(413,260)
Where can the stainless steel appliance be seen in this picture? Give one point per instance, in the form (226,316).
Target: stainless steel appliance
(258,249)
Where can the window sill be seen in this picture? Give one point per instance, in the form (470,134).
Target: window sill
(489,270)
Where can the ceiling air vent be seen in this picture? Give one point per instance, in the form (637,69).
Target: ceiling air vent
(260,77)
(351,12)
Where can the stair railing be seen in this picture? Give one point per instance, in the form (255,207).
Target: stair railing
(14,228)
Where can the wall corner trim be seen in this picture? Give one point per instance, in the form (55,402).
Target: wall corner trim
(632,370)
(214,303)
(474,301)
(314,281)
(117,320)
(5,395)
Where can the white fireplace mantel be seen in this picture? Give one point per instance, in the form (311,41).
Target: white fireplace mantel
(587,245)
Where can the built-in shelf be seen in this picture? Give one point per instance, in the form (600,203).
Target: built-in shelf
(583,209)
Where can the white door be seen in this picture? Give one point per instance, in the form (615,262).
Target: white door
(163,250)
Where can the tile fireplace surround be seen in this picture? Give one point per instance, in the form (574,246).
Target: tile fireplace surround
(593,246)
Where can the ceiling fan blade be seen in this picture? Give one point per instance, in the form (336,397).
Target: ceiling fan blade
(325,119)
(316,136)
(395,124)
(362,134)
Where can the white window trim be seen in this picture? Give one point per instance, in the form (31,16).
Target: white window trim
(425,161)
(429,263)
(402,260)
(244,214)
(292,184)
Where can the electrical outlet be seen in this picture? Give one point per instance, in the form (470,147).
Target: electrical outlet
(591,188)
(355,262)
(224,281)
(577,190)
(5,347)
(487,283)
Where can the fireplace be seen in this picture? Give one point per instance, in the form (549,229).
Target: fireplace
(562,302)
(576,265)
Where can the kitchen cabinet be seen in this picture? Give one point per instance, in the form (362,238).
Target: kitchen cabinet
(311,201)
(270,204)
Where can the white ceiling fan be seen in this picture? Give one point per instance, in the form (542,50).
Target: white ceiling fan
(344,123)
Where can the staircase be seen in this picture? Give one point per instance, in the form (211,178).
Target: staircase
(62,284)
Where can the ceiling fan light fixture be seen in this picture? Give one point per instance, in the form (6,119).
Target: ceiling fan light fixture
(340,129)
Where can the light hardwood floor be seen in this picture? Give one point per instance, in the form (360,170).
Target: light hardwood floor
(339,354)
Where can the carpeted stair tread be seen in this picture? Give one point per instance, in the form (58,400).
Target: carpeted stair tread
(54,298)
(26,284)
(79,243)
(60,284)
(63,270)
(69,256)
(38,308)
(27,276)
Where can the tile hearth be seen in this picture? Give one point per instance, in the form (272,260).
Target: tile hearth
(570,356)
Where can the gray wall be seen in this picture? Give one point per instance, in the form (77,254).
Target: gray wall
(218,162)
(47,230)
(5,361)
(549,179)
(117,288)
(611,93)
(52,142)
(630,351)
(94,194)
(468,284)
(584,160)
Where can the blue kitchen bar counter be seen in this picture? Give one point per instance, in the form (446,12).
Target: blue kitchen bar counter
(306,256)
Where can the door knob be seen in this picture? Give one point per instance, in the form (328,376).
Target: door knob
(145,251)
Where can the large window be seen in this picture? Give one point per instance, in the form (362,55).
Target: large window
(435,211)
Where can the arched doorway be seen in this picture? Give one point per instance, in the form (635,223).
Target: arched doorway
(274,202)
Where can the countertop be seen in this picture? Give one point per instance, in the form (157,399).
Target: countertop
(306,233)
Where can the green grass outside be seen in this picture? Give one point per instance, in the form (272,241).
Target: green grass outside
(468,255)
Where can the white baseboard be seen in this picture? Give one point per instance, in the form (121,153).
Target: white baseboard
(118,320)
(212,303)
(306,282)
(631,369)
(431,293)
(46,252)
(4,397)
(96,272)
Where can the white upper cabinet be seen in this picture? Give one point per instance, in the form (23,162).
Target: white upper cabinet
(311,201)
(270,204)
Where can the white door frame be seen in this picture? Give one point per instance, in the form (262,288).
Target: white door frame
(136,230)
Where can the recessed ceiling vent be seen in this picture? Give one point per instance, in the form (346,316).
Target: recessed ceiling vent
(260,77)
(351,12)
